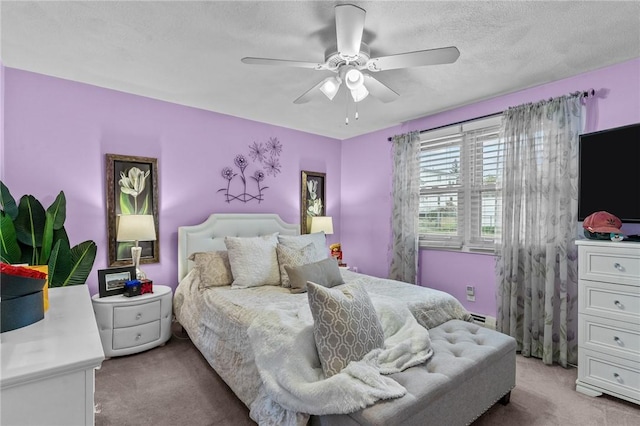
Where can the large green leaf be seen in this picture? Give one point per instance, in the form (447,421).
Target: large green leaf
(47,239)
(7,202)
(29,224)
(58,210)
(59,263)
(9,249)
(82,257)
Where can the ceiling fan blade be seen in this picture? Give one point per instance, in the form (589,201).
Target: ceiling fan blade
(283,62)
(349,28)
(306,96)
(443,55)
(379,90)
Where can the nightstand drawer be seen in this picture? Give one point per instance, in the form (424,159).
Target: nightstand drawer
(616,375)
(128,316)
(613,264)
(615,301)
(135,336)
(610,336)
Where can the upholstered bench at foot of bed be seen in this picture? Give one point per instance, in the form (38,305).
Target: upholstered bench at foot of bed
(471,369)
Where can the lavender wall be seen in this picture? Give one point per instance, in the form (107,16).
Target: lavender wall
(57,133)
(366,187)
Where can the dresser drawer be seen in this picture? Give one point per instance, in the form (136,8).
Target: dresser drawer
(615,301)
(611,264)
(135,336)
(610,336)
(616,375)
(128,316)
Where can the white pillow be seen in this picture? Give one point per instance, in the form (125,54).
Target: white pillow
(318,239)
(253,260)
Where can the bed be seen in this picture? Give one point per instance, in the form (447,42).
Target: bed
(260,339)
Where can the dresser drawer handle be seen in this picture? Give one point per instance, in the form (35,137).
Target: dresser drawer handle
(618,341)
(138,316)
(618,304)
(138,336)
(618,377)
(618,266)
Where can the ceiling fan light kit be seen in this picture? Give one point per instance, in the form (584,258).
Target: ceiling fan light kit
(351,56)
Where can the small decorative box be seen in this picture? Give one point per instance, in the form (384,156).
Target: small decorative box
(146,286)
(132,288)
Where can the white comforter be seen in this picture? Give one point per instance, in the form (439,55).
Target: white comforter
(218,321)
(294,383)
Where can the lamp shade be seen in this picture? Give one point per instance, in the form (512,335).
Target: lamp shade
(322,223)
(136,227)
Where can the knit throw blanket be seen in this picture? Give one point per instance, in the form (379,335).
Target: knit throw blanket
(294,385)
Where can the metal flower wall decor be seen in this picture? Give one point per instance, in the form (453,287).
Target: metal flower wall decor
(266,157)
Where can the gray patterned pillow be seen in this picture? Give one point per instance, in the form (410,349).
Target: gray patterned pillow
(318,239)
(345,325)
(288,256)
(325,273)
(253,260)
(213,268)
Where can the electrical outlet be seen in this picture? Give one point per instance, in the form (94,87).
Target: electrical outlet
(471,293)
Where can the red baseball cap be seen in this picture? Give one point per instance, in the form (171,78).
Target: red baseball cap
(602,222)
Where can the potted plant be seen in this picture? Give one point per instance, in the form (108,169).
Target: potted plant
(30,234)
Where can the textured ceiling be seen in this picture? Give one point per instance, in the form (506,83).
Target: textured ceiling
(189,52)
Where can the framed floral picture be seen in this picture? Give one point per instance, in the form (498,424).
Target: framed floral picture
(132,188)
(312,200)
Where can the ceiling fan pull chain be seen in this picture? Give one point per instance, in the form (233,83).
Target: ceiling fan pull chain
(356,110)
(346,108)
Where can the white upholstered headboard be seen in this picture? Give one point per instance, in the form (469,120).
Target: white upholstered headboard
(209,235)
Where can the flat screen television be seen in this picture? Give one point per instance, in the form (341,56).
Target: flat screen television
(609,173)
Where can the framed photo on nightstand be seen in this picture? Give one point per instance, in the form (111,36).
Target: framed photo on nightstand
(111,281)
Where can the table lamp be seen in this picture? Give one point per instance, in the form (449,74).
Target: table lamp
(322,223)
(136,227)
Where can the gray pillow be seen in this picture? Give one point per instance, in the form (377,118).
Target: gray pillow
(213,268)
(325,273)
(288,256)
(345,325)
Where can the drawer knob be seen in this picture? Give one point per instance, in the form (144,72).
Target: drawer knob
(618,377)
(138,316)
(618,341)
(618,266)
(138,336)
(618,304)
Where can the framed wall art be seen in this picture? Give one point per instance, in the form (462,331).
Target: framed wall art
(111,281)
(132,188)
(312,201)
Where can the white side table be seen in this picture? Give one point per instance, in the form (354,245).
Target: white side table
(129,325)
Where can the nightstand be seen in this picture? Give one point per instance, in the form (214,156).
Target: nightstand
(129,325)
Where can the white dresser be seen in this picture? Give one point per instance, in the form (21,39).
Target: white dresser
(128,325)
(609,319)
(47,375)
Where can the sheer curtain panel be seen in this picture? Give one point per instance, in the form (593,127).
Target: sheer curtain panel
(405,201)
(537,256)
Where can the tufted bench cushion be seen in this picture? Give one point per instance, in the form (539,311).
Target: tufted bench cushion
(472,368)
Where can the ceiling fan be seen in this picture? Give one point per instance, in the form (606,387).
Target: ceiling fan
(350,57)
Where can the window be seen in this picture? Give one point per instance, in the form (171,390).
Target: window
(460,173)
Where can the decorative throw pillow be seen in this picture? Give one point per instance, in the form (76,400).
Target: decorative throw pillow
(318,239)
(288,256)
(213,268)
(253,261)
(345,325)
(325,273)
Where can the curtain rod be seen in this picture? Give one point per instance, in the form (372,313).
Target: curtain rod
(585,94)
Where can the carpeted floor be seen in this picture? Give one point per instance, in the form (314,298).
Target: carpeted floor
(174,385)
